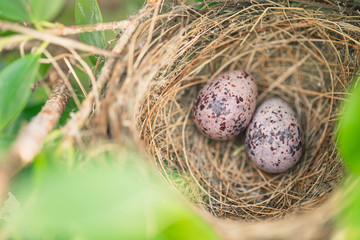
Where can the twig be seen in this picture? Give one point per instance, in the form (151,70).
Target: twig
(72,30)
(71,69)
(62,75)
(88,72)
(31,137)
(72,127)
(12,41)
(64,42)
(37,84)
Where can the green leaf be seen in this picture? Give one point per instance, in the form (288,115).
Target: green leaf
(15,87)
(24,116)
(88,12)
(15,10)
(349,130)
(348,222)
(44,10)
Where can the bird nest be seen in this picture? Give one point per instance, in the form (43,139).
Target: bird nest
(305,54)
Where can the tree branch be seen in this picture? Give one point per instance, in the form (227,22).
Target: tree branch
(62,30)
(30,140)
(31,137)
(72,127)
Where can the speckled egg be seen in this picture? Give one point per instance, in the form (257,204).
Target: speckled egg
(224,107)
(274,137)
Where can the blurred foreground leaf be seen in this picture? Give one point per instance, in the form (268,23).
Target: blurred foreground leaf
(348,142)
(44,9)
(116,197)
(349,220)
(15,87)
(349,131)
(10,208)
(15,10)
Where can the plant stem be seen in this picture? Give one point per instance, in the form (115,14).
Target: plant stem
(61,30)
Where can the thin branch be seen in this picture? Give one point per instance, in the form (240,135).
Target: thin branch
(62,30)
(64,42)
(65,80)
(71,69)
(72,127)
(30,140)
(88,72)
(12,41)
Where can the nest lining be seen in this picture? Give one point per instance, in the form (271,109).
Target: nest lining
(305,56)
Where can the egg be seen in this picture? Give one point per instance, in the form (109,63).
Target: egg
(274,139)
(224,106)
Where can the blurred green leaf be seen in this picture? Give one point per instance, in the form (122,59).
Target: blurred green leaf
(39,96)
(15,87)
(116,197)
(88,12)
(6,33)
(43,70)
(70,108)
(15,10)
(349,131)
(44,10)
(5,143)
(8,58)
(10,208)
(349,219)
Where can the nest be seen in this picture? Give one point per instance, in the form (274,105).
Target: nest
(306,54)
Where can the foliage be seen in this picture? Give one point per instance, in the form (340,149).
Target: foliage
(115,196)
(5,143)
(18,76)
(15,10)
(348,136)
(88,12)
(349,221)
(15,86)
(349,130)
(41,10)
(30,10)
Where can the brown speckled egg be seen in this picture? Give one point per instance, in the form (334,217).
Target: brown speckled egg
(224,107)
(274,137)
